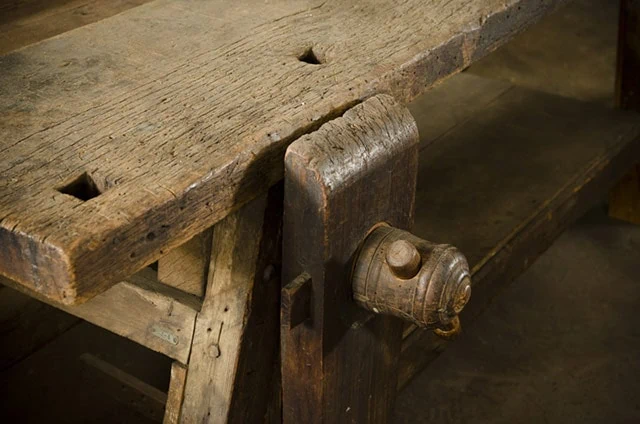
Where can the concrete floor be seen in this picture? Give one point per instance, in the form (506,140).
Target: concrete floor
(561,344)
(571,52)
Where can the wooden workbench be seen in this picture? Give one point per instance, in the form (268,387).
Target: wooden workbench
(127,139)
(133,134)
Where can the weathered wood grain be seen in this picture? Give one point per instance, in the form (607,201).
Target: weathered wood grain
(256,396)
(175,396)
(398,274)
(356,171)
(179,112)
(25,323)
(139,309)
(220,326)
(551,159)
(186,267)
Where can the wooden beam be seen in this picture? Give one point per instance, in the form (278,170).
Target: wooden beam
(503,180)
(220,326)
(175,397)
(141,310)
(186,267)
(256,396)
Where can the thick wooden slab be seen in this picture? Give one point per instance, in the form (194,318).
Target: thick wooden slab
(122,139)
(504,171)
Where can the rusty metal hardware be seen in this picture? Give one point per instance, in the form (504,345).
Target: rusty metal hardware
(399,274)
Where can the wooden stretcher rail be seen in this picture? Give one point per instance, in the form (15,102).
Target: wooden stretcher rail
(510,171)
(140,309)
(123,139)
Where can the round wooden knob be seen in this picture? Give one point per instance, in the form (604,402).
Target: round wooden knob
(397,273)
(404,259)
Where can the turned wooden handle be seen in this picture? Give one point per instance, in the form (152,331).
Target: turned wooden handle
(397,273)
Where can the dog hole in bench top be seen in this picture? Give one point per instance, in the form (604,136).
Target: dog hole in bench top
(82,187)
(310,57)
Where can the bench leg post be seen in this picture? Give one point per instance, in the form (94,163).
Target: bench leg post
(176,393)
(229,375)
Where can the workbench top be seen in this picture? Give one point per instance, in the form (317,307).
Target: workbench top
(122,139)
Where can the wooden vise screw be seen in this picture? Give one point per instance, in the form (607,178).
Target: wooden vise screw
(399,274)
(339,364)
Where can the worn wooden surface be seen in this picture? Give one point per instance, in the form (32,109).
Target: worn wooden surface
(220,326)
(429,293)
(186,267)
(139,309)
(552,159)
(256,396)
(353,173)
(175,396)
(167,119)
(27,324)
(24,22)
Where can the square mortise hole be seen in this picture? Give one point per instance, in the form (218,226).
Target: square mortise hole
(82,187)
(310,57)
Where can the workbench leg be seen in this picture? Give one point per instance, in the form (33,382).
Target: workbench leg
(176,393)
(229,377)
(624,200)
